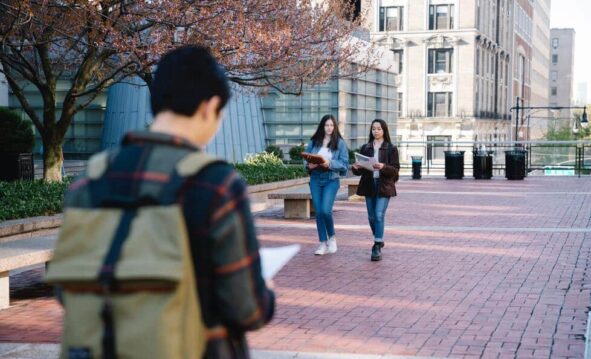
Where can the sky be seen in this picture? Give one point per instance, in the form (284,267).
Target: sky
(576,14)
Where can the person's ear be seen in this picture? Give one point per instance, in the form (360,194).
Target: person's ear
(212,107)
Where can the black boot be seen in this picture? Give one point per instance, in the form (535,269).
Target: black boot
(376,251)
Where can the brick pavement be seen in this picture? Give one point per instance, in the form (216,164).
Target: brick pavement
(488,269)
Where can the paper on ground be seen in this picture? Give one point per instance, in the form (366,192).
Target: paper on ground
(364,161)
(273,259)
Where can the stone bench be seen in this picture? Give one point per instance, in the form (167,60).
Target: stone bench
(21,253)
(297,203)
(352,183)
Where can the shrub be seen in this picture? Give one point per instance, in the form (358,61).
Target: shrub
(254,174)
(21,199)
(267,167)
(275,150)
(16,135)
(295,153)
(263,159)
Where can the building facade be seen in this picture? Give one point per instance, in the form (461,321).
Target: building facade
(355,102)
(561,69)
(453,67)
(83,137)
(537,123)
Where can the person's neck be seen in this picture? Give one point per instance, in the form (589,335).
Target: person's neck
(178,126)
(378,141)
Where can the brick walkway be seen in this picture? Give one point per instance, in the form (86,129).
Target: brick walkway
(489,269)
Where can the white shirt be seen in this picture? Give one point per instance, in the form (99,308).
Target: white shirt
(325,153)
(376,153)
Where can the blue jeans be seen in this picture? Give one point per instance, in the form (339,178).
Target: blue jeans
(324,192)
(376,211)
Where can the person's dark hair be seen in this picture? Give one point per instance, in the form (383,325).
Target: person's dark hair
(318,136)
(186,77)
(384,128)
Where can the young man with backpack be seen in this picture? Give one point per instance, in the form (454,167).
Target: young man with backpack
(157,256)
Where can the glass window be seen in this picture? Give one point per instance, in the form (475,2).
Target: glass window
(440,61)
(477,61)
(441,17)
(399,59)
(555,43)
(439,104)
(554,59)
(390,18)
(554,75)
(554,91)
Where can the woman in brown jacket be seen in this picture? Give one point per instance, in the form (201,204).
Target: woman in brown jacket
(378,185)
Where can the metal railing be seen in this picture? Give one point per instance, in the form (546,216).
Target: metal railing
(543,157)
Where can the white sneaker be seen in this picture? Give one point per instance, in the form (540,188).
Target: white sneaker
(322,249)
(332,245)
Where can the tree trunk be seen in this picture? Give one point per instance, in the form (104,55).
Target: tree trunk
(52,157)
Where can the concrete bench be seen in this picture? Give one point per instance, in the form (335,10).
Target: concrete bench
(297,203)
(352,183)
(21,253)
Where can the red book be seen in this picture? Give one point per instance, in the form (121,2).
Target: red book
(312,158)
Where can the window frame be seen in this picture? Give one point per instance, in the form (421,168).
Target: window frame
(399,55)
(433,60)
(432,104)
(433,18)
(382,18)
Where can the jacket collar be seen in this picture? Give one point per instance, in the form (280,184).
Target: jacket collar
(147,137)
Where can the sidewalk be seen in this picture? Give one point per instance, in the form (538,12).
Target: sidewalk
(471,269)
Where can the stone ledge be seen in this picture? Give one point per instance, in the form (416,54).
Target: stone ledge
(277,185)
(31,224)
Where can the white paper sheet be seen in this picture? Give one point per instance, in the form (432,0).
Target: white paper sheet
(273,259)
(364,161)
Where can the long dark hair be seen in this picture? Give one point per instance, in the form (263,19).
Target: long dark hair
(318,136)
(384,128)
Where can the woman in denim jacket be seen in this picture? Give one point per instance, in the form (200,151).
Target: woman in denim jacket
(324,178)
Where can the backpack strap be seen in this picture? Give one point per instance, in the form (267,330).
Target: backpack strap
(187,167)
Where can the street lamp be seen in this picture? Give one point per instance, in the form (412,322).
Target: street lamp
(582,122)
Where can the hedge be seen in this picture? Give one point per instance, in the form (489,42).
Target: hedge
(260,174)
(21,199)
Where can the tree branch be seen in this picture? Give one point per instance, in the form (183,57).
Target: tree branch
(19,93)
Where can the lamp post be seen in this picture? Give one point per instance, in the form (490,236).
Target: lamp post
(582,121)
(517,166)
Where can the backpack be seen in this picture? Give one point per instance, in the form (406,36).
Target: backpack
(125,271)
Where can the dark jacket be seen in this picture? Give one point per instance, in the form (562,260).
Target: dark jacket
(232,293)
(388,175)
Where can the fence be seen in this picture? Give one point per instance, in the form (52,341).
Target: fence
(543,157)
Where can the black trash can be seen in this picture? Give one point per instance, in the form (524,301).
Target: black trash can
(482,164)
(417,162)
(15,166)
(454,164)
(515,164)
